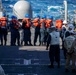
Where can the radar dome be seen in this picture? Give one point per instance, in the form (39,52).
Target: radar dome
(21,8)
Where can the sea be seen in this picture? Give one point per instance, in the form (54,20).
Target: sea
(54,8)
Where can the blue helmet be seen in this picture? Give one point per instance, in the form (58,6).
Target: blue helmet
(13,17)
(44,16)
(51,17)
(37,16)
(4,15)
(27,16)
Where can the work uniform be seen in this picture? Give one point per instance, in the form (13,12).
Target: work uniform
(66,34)
(15,35)
(54,50)
(68,43)
(36,24)
(62,33)
(26,24)
(42,30)
(49,23)
(22,37)
(4,30)
(74,47)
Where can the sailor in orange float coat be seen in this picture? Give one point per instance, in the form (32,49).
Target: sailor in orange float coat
(26,24)
(36,24)
(4,29)
(42,29)
(14,28)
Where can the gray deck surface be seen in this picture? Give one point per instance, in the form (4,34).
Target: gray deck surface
(29,60)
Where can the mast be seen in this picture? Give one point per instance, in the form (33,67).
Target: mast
(66,11)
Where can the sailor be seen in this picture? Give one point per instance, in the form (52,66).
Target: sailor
(65,24)
(49,23)
(4,23)
(14,28)
(26,25)
(42,29)
(36,24)
(66,34)
(62,31)
(62,35)
(54,50)
(70,54)
(70,28)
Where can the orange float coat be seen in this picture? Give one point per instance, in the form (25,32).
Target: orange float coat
(48,23)
(42,21)
(59,24)
(36,22)
(28,22)
(3,21)
(16,23)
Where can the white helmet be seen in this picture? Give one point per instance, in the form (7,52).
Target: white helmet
(64,22)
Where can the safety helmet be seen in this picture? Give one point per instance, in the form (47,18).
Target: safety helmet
(4,15)
(13,17)
(64,22)
(51,17)
(44,16)
(27,16)
(37,16)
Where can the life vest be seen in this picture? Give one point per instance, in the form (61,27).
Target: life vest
(4,21)
(48,23)
(15,23)
(36,22)
(42,21)
(59,24)
(69,42)
(28,23)
(55,38)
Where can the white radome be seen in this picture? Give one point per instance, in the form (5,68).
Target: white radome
(21,8)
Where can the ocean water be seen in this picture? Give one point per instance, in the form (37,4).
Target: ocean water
(45,7)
